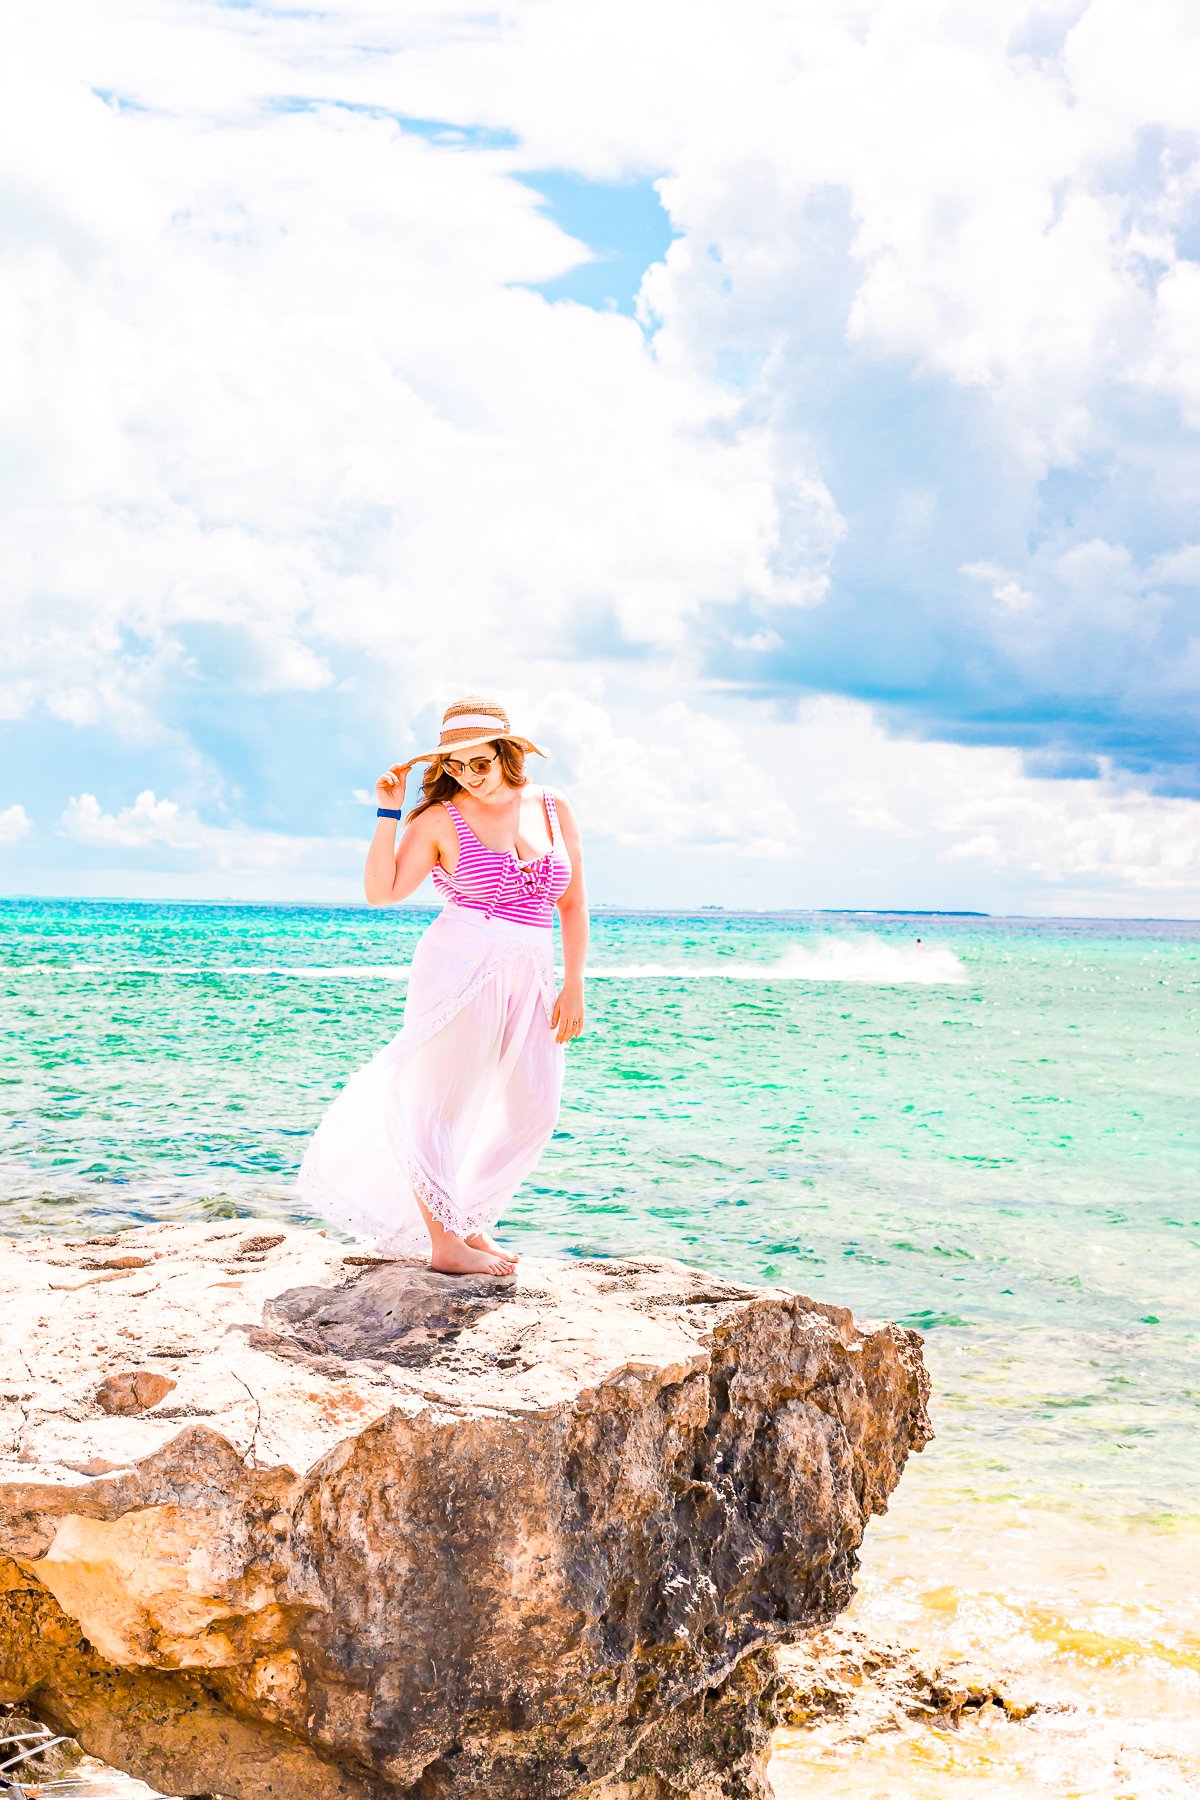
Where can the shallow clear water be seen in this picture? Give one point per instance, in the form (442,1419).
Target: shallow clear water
(991,1134)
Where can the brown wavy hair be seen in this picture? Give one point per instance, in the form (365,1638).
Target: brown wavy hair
(437,785)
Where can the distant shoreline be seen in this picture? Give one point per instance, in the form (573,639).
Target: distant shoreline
(666,912)
(616,908)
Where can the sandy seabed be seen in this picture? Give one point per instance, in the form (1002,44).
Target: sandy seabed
(1095,1629)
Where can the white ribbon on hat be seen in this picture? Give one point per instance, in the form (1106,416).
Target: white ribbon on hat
(464,721)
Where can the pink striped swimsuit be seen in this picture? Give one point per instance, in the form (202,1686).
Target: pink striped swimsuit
(494,883)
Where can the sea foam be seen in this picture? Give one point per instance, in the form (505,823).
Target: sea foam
(864,959)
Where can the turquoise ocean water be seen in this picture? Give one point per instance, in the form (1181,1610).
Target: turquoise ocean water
(992,1134)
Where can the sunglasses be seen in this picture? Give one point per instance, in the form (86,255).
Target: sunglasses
(478,765)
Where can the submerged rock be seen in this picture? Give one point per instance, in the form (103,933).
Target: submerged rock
(380,1532)
(842,1686)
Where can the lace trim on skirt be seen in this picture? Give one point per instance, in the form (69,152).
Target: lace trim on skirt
(442,1204)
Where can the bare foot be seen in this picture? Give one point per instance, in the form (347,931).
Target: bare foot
(451,1256)
(480,1240)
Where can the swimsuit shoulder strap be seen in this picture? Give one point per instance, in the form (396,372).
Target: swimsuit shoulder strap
(552,812)
(460,824)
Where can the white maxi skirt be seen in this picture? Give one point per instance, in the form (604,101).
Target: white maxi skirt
(459,1106)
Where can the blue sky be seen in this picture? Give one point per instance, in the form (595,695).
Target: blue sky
(794,424)
(622,224)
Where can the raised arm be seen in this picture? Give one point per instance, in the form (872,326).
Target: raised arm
(395,870)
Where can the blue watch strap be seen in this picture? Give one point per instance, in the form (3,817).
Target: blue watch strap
(386,812)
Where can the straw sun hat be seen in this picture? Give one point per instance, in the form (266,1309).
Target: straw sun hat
(470,722)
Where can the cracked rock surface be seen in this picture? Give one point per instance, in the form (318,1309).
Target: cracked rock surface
(276,1521)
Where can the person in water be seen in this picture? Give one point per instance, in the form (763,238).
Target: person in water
(425,1146)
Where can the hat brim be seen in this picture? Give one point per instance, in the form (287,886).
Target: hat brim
(490,737)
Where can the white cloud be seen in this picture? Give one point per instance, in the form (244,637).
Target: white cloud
(1106,830)
(298,322)
(820,808)
(832,797)
(163,825)
(17,698)
(1004,587)
(1173,363)
(671,775)
(281,406)
(1087,620)
(993,236)
(969,804)
(148,821)
(277,397)
(1182,565)
(15,823)
(1000,235)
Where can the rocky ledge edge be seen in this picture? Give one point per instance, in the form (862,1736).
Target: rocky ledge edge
(279,1522)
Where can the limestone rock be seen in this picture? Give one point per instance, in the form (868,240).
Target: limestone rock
(133,1391)
(393,1533)
(842,1686)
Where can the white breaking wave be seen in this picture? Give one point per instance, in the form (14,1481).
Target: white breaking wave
(872,960)
(299,971)
(865,959)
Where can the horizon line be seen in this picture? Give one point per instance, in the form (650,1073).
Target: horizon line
(866,912)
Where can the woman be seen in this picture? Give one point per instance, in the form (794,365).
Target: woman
(427,1144)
